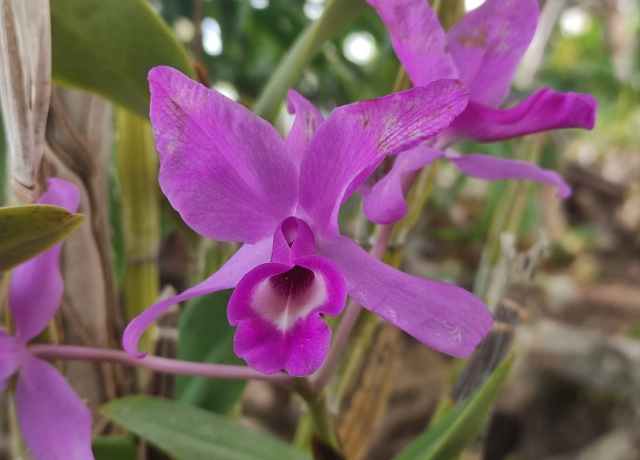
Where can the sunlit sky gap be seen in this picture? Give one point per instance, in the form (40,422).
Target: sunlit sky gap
(211,37)
(574,22)
(471,4)
(359,47)
(313,8)
(259,4)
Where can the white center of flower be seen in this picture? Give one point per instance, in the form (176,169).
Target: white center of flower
(283,299)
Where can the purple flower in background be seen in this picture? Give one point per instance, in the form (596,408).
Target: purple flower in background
(232,178)
(55,423)
(483,51)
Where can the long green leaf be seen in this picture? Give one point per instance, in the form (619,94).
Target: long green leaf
(189,433)
(456,430)
(108,46)
(26,231)
(207,337)
(336,16)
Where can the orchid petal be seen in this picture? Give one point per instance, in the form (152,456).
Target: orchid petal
(385,203)
(10,353)
(300,352)
(417,38)
(35,293)
(491,168)
(228,276)
(488,43)
(61,193)
(442,316)
(36,287)
(308,119)
(355,138)
(542,111)
(225,170)
(55,423)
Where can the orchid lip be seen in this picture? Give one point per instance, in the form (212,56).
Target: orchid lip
(283,299)
(278,309)
(278,306)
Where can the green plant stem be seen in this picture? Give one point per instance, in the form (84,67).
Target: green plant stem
(508,219)
(336,15)
(137,165)
(316,402)
(449,11)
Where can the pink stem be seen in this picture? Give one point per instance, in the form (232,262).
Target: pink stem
(155,363)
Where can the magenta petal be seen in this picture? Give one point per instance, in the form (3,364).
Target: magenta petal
(225,170)
(417,38)
(385,202)
(55,423)
(10,353)
(355,138)
(442,316)
(488,43)
(247,257)
(35,293)
(308,119)
(61,193)
(277,310)
(300,351)
(36,287)
(542,111)
(492,168)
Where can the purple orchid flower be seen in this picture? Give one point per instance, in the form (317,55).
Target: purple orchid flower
(55,423)
(483,51)
(232,178)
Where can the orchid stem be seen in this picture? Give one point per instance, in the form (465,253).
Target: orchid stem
(317,404)
(156,363)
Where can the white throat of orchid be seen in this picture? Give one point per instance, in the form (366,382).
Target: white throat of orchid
(284,298)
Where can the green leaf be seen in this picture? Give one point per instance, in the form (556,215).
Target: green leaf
(26,231)
(337,14)
(189,433)
(108,46)
(114,447)
(456,430)
(207,337)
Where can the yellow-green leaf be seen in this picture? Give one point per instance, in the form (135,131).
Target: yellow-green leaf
(26,231)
